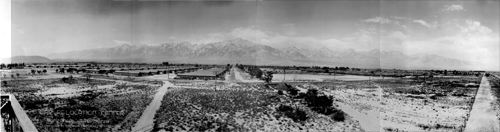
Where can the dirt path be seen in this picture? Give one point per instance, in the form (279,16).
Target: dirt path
(368,119)
(230,76)
(146,122)
(239,78)
(237,75)
(483,117)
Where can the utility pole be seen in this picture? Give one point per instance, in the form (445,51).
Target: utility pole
(284,74)
(334,74)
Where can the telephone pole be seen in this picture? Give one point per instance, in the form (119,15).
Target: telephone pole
(284,74)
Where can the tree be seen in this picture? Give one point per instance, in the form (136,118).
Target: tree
(44,71)
(4,83)
(325,69)
(87,76)
(268,77)
(83,70)
(33,72)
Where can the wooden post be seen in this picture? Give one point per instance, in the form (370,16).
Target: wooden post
(284,74)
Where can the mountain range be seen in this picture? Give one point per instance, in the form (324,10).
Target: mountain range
(26,59)
(247,52)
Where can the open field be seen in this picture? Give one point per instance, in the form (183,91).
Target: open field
(321,77)
(402,104)
(437,105)
(494,79)
(305,101)
(483,116)
(241,110)
(79,104)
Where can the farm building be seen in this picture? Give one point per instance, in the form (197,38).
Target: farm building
(139,73)
(204,74)
(127,73)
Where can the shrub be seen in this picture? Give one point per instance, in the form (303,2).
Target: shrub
(299,115)
(69,79)
(313,100)
(296,115)
(290,89)
(284,108)
(280,92)
(339,115)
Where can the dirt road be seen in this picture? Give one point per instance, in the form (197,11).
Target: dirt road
(369,120)
(237,74)
(483,117)
(146,122)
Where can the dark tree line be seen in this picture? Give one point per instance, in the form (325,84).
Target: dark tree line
(38,71)
(455,72)
(70,70)
(12,65)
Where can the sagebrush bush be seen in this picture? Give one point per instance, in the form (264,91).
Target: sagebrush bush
(295,114)
(339,115)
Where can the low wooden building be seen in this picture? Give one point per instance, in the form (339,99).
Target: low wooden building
(204,74)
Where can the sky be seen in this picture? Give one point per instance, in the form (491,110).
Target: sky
(467,30)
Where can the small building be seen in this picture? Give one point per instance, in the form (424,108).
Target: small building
(204,74)
(136,73)
(127,73)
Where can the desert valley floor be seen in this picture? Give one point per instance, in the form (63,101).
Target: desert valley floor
(56,101)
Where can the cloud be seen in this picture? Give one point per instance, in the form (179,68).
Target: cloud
(380,20)
(453,7)
(289,29)
(467,40)
(121,42)
(463,39)
(424,23)
(399,22)
(398,35)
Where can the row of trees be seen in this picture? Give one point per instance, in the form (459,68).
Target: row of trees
(70,70)
(38,71)
(455,72)
(12,75)
(13,65)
